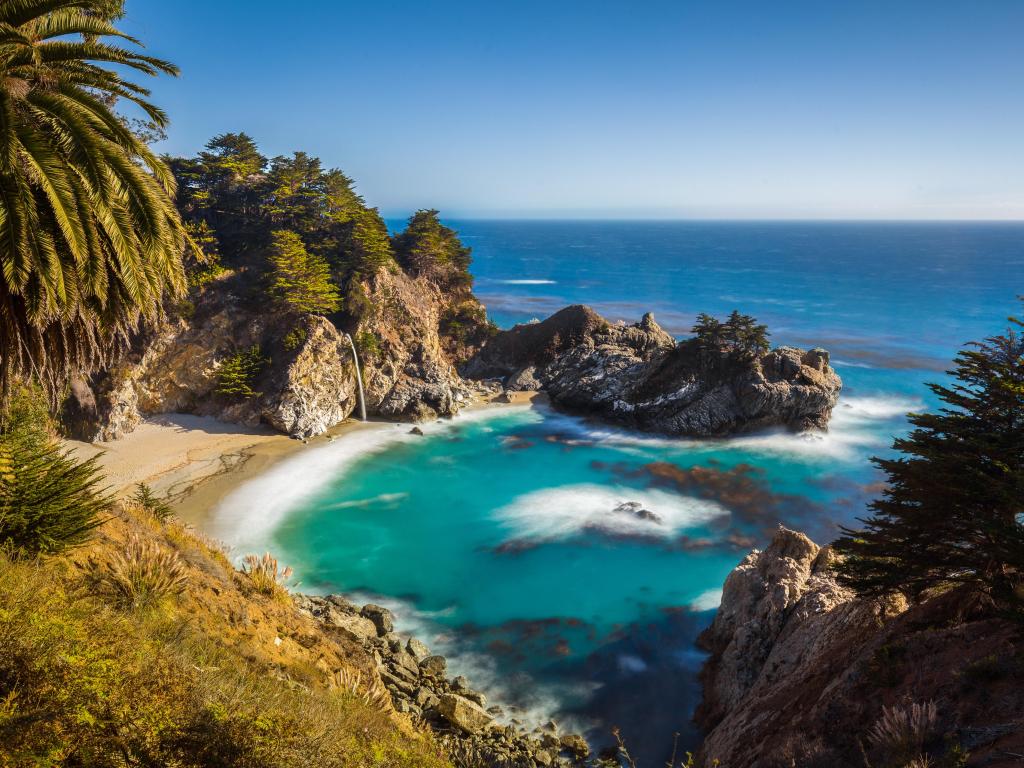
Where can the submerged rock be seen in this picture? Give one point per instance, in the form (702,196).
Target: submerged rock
(639,376)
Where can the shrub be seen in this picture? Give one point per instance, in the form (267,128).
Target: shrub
(295,338)
(143,575)
(149,502)
(48,500)
(368,346)
(265,575)
(239,371)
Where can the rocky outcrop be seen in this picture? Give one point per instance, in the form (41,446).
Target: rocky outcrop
(418,685)
(409,374)
(800,668)
(639,376)
(308,383)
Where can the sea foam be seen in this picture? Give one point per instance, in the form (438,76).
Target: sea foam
(558,513)
(246,519)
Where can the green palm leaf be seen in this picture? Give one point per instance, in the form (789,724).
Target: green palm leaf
(90,239)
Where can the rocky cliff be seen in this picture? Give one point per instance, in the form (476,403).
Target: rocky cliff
(802,673)
(639,376)
(307,383)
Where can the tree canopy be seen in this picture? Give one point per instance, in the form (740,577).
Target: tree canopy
(427,247)
(90,239)
(953,511)
(299,280)
(740,334)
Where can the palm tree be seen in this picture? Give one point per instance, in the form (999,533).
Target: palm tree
(90,239)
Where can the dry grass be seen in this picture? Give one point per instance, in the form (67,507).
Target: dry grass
(373,695)
(143,574)
(266,577)
(903,730)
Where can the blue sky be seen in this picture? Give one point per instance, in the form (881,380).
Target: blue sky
(636,108)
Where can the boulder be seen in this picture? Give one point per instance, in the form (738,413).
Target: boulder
(358,628)
(434,666)
(381,618)
(463,713)
(417,649)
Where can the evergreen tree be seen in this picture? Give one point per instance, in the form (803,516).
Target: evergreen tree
(745,335)
(300,280)
(238,373)
(428,247)
(48,500)
(953,511)
(709,331)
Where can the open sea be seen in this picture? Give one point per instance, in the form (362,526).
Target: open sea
(494,538)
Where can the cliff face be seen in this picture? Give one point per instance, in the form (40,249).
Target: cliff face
(308,383)
(637,375)
(800,670)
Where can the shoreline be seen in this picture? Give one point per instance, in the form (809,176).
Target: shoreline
(195,462)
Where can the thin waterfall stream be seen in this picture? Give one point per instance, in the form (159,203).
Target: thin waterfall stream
(359,378)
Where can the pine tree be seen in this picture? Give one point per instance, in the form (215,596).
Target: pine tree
(300,280)
(745,335)
(709,331)
(428,247)
(238,373)
(48,500)
(954,508)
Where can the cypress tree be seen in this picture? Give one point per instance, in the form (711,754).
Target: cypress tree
(300,280)
(953,512)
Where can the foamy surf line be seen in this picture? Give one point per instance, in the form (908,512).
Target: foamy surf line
(857,423)
(248,516)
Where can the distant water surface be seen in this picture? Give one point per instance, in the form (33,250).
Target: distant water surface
(499,537)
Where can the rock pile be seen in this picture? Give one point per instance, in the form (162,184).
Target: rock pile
(420,687)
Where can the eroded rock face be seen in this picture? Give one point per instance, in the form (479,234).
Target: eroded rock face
(307,385)
(800,669)
(410,375)
(637,375)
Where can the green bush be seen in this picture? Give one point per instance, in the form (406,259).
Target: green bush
(48,500)
(239,371)
(295,338)
(149,502)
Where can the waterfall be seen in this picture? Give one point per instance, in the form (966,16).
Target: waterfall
(359,378)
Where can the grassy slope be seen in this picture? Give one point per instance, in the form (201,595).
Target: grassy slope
(217,676)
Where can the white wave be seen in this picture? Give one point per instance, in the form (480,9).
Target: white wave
(848,364)
(247,517)
(557,513)
(857,424)
(707,601)
(381,500)
(526,282)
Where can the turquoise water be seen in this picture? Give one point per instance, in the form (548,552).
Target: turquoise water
(498,536)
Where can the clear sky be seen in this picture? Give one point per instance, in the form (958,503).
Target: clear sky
(648,108)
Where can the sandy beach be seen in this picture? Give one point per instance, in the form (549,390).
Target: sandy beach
(196,461)
(193,461)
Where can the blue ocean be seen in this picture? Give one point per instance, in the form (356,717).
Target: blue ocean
(493,537)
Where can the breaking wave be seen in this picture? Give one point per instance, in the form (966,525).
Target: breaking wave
(558,513)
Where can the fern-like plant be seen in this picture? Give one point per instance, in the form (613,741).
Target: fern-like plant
(238,373)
